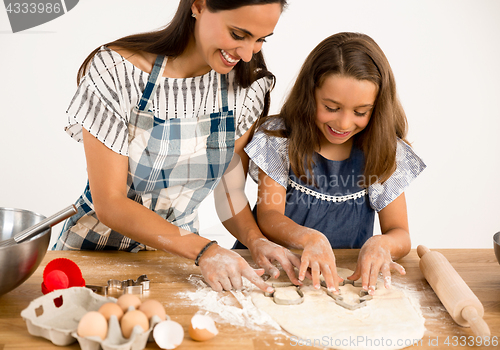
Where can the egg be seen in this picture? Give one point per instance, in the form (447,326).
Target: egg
(109,309)
(93,324)
(127,300)
(202,327)
(131,319)
(153,307)
(168,334)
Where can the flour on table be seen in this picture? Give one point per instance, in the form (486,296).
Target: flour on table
(220,308)
(391,320)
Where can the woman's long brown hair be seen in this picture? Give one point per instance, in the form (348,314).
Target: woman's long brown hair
(351,55)
(173,39)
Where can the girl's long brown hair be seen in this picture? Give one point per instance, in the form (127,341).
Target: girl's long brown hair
(173,39)
(352,55)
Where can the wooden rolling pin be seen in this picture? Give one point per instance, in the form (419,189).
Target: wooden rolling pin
(456,296)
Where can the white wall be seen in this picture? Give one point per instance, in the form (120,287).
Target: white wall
(445,55)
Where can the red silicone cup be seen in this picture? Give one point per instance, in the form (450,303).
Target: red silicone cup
(68,268)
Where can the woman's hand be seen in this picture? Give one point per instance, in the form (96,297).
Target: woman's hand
(374,258)
(264,253)
(223,269)
(318,256)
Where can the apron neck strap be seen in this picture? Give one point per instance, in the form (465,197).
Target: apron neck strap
(154,78)
(222,87)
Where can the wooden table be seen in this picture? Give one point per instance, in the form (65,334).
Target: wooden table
(168,275)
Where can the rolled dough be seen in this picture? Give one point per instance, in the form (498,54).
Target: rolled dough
(391,320)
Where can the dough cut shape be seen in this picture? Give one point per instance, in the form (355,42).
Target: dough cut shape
(287,293)
(391,320)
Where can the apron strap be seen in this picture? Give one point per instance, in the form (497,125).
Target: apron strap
(222,85)
(153,81)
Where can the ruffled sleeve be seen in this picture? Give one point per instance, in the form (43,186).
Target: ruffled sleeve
(269,153)
(98,104)
(251,104)
(409,166)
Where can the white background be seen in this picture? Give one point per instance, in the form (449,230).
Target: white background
(445,55)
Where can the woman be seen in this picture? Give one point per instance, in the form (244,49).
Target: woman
(161,115)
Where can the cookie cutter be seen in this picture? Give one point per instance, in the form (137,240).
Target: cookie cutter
(357,283)
(364,295)
(280,301)
(128,286)
(339,300)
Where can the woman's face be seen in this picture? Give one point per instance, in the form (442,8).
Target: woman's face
(223,38)
(343,108)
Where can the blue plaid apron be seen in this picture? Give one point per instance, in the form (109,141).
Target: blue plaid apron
(173,165)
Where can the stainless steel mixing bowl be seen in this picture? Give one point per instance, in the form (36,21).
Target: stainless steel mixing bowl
(19,261)
(496,245)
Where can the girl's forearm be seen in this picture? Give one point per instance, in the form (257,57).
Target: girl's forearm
(398,242)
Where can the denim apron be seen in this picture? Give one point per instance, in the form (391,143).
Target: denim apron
(173,165)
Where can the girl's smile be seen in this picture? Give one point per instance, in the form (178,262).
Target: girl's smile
(337,133)
(343,109)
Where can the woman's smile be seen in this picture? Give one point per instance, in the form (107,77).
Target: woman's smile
(224,38)
(228,59)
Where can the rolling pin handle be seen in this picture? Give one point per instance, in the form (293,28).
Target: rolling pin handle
(477,324)
(421,250)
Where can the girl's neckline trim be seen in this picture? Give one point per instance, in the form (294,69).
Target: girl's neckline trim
(211,72)
(325,197)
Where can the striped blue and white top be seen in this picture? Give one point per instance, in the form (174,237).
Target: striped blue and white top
(113,86)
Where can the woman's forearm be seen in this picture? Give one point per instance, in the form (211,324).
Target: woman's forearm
(145,226)
(282,230)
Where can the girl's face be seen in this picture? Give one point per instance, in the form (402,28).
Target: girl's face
(225,37)
(343,108)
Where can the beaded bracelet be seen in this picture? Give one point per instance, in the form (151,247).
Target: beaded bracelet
(203,251)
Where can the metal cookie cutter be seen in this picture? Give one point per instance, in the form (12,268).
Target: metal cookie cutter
(363,298)
(363,295)
(356,283)
(280,301)
(128,286)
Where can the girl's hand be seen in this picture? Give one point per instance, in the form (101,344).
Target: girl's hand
(264,252)
(374,258)
(318,256)
(223,269)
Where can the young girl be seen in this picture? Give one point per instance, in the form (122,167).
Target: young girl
(334,155)
(161,115)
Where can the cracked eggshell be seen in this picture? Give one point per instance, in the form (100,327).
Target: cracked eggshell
(168,334)
(202,328)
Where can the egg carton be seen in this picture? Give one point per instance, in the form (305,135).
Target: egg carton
(55,317)
(115,340)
